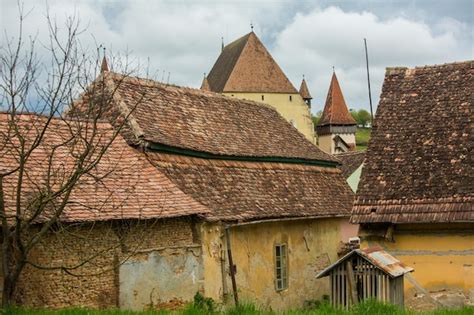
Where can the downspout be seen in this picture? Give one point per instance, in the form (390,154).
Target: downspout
(231,266)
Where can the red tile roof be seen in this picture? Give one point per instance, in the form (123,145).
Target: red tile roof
(208,123)
(350,161)
(245,191)
(419,163)
(124,185)
(245,65)
(335,110)
(304,91)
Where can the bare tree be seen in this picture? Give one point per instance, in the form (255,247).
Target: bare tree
(45,153)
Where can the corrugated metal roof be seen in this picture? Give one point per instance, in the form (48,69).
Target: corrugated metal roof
(376,256)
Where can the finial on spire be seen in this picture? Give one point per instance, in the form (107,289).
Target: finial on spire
(333,69)
(222,43)
(303,76)
(251,25)
(104,66)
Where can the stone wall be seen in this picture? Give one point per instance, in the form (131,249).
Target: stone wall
(98,251)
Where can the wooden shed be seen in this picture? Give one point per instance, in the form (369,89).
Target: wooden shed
(370,273)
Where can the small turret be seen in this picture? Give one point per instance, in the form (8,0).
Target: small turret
(304,92)
(205,84)
(104,66)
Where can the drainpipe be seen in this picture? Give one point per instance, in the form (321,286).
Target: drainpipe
(231,266)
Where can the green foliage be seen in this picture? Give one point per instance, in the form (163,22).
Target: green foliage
(362,117)
(200,306)
(362,138)
(202,303)
(316,118)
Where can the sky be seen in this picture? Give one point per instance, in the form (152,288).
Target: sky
(183,38)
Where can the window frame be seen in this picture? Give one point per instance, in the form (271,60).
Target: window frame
(281,266)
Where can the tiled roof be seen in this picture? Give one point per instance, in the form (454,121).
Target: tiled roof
(245,191)
(419,165)
(245,65)
(335,110)
(350,161)
(124,185)
(304,91)
(191,119)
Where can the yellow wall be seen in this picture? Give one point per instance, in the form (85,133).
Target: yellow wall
(312,245)
(295,110)
(443,257)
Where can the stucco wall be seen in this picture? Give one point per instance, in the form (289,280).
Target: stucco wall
(443,259)
(169,245)
(295,110)
(312,245)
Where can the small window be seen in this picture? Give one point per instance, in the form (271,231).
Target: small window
(291,98)
(281,267)
(263,97)
(293,123)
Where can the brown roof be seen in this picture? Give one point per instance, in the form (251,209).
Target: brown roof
(205,85)
(304,91)
(350,161)
(245,65)
(335,110)
(200,121)
(124,185)
(243,191)
(419,161)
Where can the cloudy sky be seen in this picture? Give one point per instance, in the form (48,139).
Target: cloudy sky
(305,37)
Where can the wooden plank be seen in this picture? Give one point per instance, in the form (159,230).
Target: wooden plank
(352,291)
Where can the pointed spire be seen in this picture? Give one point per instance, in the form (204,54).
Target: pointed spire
(104,66)
(304,91)
(205,84)
(335,110)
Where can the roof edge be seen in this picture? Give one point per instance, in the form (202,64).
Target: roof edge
(275,159)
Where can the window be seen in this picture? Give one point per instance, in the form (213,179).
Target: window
(281,267)
(263,97)
(291,98)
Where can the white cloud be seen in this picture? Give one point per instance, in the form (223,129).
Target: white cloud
(314,42)
(183,37)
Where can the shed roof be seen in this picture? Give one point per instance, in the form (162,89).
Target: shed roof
(246,191)
(377,257)
(419,163)
(245,65)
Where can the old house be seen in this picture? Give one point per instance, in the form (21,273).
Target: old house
(206,179)
(415,197)
(336,128)
(122,210)
(246,70)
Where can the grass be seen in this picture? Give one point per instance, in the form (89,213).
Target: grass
(362,138)
(367,307)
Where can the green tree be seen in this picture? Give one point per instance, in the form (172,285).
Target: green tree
(316,118)
(355,115)
(363,117)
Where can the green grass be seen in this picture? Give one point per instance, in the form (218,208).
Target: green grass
(365,308)
(362,138)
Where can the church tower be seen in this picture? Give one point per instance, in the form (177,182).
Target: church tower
(246,70)
(336,128)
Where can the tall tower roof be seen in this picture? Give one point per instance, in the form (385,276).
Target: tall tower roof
(335,110)
(304,91)
(245,65)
